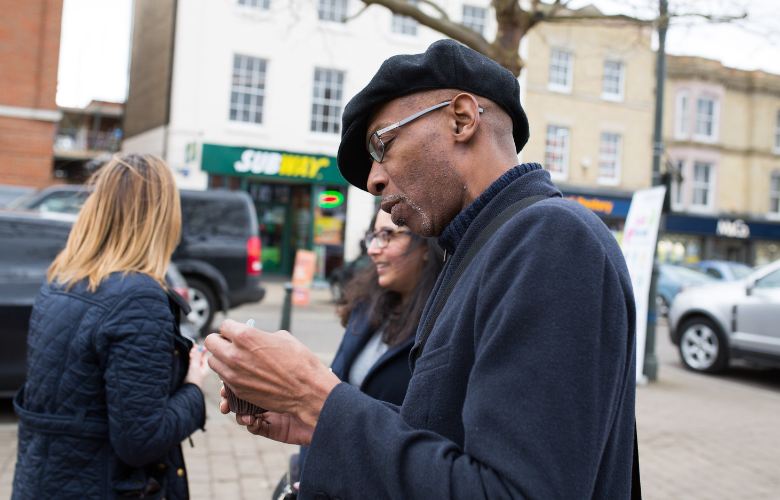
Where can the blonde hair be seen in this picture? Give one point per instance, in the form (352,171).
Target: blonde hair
(130,223)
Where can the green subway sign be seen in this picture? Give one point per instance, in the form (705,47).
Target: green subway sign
(262,163)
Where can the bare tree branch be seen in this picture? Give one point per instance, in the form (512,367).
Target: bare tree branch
(439,9)
(444,26)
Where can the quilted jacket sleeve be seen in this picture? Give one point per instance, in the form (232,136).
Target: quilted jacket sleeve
(145,420)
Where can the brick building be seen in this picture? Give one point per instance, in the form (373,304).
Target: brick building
(29,56)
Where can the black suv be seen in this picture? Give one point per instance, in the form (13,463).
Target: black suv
(30,242)
(219,253)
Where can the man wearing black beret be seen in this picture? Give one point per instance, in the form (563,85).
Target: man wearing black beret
(524,363)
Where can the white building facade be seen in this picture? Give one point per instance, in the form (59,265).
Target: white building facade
(249,95)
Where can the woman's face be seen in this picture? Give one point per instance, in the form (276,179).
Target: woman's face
(397,270)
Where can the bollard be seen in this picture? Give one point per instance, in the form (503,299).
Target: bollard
(286,307)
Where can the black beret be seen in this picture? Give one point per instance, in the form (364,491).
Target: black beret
(445,65)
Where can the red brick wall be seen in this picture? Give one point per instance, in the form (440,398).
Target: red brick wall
(29,58)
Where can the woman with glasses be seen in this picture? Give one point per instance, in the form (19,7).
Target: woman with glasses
(381,310)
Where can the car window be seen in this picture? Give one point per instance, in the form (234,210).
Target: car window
(771,280)
(214,217)
(683,273)
(64,202)
(714,273)
(740,270)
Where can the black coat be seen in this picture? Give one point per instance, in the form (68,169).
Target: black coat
(525,388)
(104,407)
(388,378)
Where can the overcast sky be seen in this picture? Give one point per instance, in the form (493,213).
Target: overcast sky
(94,48)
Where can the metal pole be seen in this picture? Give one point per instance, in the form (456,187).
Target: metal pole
(286,307)
(651,360)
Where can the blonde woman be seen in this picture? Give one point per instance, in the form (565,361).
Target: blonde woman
(112,386)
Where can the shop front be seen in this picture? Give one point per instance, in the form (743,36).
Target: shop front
(611,206)
(300,201)
(686,239)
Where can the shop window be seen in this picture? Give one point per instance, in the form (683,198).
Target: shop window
(258,4)
(679,249)
(326,105)
(557,152)
(214,217)
(706,119)
(405,25)
(682,115)
(248,89)
(561,69)
(774,193)
(777,134)
(614,76)
(701,185)
(609,159)
(474,18)
(333,11)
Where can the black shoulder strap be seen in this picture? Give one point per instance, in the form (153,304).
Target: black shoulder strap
(636,485)
(483,237)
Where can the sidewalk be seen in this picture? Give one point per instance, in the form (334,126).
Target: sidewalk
(700,437)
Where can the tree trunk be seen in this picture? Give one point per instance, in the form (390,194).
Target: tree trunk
(513,24)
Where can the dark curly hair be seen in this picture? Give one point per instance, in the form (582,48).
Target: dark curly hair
(383,307)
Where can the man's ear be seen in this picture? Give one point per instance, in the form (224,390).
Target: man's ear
(466,116)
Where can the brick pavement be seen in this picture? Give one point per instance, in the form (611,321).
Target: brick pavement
(701,437)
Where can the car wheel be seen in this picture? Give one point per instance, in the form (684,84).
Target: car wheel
(661,306)
(336,291)
(203,304)
(703,345)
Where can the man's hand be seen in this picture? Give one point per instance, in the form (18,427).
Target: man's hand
(282,427)
(275,372)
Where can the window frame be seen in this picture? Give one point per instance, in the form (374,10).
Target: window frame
(241,91)
(774,193)
(320,11)
(265,7)
(713,137)
(695,184)
(776,144)
(621,93)
(678,197)
(569,85)
(404,22)
(326,102)
(563,174)
(682,115)
(614,180)
(470,24)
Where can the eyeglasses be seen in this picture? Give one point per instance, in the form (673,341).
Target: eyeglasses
(382,237)
(376,147)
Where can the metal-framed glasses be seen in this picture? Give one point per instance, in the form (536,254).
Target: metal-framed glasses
(382,237)
(376,147)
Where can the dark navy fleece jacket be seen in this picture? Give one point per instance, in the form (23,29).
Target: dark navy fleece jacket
(525,388)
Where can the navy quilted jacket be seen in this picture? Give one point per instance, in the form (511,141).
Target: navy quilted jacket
(104,408)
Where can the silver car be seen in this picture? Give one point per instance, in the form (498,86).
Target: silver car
(719,321)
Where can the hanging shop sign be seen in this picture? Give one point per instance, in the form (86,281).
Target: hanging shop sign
(602,205)
(330,199)
(280,165)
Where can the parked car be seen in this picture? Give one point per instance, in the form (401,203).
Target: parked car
(12,194)
(220,248)
(672,280)
(30,242)
(723,269)
(342,275)
(729,320)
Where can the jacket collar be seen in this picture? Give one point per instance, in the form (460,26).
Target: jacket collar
(450,238)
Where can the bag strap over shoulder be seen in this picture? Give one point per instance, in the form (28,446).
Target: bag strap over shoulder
(483,237)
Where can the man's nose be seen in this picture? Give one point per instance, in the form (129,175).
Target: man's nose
(377,179)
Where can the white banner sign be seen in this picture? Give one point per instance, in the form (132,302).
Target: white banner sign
(639,240)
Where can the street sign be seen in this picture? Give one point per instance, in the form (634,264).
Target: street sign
(639,240)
